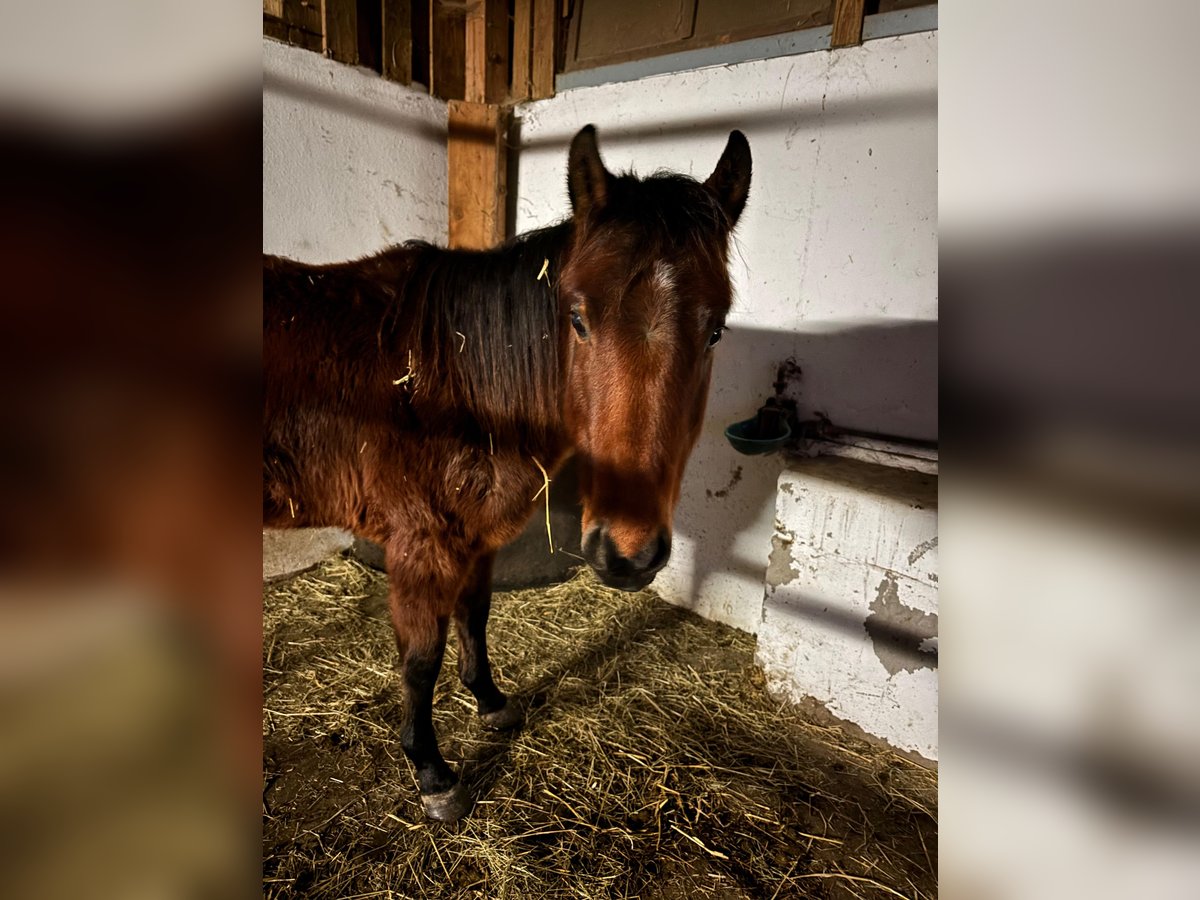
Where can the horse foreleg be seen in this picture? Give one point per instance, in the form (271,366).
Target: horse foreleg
(421,638)
(470,620)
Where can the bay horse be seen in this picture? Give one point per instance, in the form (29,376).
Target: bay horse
(422,397)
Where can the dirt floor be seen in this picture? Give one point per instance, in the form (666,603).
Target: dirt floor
(652,763)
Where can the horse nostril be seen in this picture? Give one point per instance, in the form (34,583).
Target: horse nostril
(650,558)
(595,547)
(662,552)
(618,570)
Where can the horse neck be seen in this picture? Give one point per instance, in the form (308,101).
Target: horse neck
(545,251)
(490,336)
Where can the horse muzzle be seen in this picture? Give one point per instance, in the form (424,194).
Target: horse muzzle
(627,573)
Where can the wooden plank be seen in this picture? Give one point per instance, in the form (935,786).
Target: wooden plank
(478,167)
(694,25)
(298,23)
(340,27)
(302,14)
(447,50)
(847,23)
(275,28)
(370,34)
(420,42)
(522,50)
(398,41)
(486,47)
(545,46)
(273,8)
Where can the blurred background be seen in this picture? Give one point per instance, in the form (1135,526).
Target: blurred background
(1069,202)
(129,346)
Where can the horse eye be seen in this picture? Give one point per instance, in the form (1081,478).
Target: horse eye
(577,324)
(716,335)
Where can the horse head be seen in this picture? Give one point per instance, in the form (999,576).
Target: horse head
(645,287)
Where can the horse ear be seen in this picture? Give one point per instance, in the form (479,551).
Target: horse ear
(587,179)
(730,181)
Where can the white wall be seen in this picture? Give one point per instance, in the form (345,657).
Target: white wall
(851,611)
(837,262)
(351,162)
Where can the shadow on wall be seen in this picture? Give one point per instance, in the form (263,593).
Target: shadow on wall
(405,125)
(842,112)
(796,118)
(872,375)
(884,374)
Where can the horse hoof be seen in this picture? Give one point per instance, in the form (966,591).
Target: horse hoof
(448,806)
(506,717)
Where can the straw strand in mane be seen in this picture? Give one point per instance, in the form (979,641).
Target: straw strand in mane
(484,328)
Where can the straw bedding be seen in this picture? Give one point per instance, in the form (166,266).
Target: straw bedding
(652,764)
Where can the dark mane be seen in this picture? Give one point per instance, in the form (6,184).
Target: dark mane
(471,336)
(484,328)
(668,204)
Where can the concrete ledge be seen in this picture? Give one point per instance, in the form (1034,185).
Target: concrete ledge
(287,552)
(850,612)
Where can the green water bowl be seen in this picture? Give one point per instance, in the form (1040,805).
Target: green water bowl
(745,437)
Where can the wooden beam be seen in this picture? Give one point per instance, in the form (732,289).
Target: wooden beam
(397,41)
(522,51)
(420,47)
(339,20)
(294,22)
(545,47)
(478,166)
(447,50)
(487,51)
(847,23)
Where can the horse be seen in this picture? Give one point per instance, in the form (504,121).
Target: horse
(423,397)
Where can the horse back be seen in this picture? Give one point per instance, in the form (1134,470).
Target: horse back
(328,388)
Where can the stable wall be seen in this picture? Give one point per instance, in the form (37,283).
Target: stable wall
(850,618)
(835,264)
(351,162)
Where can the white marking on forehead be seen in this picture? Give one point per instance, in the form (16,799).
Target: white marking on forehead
(663,280)
(666,298)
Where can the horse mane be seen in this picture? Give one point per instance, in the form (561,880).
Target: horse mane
(482,327)
(668,204)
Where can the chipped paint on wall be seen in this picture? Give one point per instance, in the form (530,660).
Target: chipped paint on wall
(781,566)
(734,478)
(850,612)
(900,635)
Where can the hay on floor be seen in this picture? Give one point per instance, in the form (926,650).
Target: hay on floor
(652,763)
